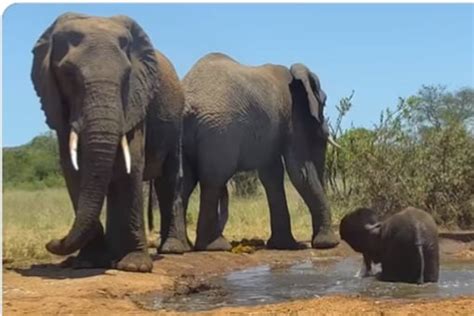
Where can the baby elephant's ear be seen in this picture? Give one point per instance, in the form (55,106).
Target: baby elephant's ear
(373,229)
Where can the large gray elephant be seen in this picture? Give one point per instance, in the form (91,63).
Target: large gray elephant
(241,118)
(116,105)
(406,244)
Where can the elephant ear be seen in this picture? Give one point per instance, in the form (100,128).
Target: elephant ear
(143,83)
(42,76)
(316,96)
(373,229)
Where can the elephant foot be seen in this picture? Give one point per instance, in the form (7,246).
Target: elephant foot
(220,244)
(137,261)
(174,246)
(325,239)
(288,243)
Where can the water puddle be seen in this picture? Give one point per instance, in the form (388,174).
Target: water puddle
(264,285)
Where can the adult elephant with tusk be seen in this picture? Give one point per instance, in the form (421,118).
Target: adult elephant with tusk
(240,118)
(116,105)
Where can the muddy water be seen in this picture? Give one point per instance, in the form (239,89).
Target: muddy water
(264,285)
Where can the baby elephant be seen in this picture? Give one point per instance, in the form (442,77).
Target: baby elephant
(406,244)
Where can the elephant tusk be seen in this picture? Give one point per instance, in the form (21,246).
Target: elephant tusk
(333,142)
(73,139)
(126,154)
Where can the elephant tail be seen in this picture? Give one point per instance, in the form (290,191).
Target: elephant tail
(151,225)
(419,247)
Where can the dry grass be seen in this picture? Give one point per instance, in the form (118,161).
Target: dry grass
(31,218)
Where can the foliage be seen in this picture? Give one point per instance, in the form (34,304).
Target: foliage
(34,165)
(421,154)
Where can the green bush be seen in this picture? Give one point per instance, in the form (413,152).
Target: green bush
(411,158)
(34,165)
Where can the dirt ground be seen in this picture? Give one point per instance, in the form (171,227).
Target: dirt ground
(46,289)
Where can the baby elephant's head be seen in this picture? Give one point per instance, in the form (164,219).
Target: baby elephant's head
(361,230)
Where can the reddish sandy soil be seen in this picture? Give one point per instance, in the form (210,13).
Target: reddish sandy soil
(50,290)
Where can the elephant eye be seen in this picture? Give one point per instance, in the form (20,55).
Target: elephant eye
(75,38)
(123,42)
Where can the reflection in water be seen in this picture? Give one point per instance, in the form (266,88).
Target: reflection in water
(263,285)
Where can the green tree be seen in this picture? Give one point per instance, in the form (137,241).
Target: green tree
(435,107)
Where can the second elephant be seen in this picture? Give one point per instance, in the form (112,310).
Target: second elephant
(240,118)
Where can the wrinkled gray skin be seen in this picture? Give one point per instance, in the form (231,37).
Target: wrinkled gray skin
(241,118)
(102,79)
(406,244)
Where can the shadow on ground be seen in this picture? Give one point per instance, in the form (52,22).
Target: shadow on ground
(57,272)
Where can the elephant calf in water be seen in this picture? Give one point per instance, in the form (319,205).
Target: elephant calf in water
(406,244)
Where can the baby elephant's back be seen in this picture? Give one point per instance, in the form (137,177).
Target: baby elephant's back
(411,226)
(411,251)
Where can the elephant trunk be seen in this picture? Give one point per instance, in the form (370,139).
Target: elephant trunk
(99,141)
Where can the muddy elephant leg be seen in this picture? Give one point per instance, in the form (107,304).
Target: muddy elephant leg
(91,256)
(169,189)
(208,232)
(272,177)
(305,178)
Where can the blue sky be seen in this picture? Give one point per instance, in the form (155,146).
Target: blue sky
(382,51)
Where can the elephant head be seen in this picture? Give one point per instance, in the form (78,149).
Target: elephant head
(314,94)
(95,78)
(361,230)
(309,100)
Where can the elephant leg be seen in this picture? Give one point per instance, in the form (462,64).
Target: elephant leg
(431,264)
(164,195)
(125,235)
(189,182)
(152,234)
(151,218)
(272,177)
(92,255)
(170,191)
(394,265)
(223,210)
(305,178)
(208,232)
